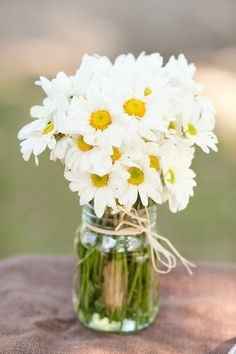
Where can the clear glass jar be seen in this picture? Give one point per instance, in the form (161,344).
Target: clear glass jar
(115,286)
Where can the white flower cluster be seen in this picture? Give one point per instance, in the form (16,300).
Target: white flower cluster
(125,131)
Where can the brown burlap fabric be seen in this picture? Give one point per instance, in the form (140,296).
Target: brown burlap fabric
(197,314)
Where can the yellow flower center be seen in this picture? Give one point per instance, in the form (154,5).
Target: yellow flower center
(170,177)
(100,119)
(147,91)
(99,181)
(116,154)
(135,107)
(49,128)
(82,145)
(190,129)
(136,176)
(154,162)
(172,125)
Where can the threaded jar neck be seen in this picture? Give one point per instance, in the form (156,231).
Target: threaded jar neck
(111,220)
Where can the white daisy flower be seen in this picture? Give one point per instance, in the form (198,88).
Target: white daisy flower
(37,136)
(92,68)
(60,91)
(181,74)
(145,66)
(140,150)
(177,176)
(92,187)
(150,64)
(83,156)
(139,92)
(61,86)
(140,108)
(138,180)
(95,119)
(198,123)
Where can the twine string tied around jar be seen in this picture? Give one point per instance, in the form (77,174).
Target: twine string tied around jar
(161,249)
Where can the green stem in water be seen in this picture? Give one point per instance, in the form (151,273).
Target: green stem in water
(128,287)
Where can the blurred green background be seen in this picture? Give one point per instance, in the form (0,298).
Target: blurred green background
(38,212)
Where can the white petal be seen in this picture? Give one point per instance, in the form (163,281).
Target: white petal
(32,127)
(99,204)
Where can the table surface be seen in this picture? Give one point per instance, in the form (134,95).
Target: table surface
(198,313)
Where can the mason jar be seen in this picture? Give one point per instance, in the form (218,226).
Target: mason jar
(115,286)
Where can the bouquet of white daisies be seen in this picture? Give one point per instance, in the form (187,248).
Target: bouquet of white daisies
(126,134)
(125,131)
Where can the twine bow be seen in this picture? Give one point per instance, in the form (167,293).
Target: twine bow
(162,250)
